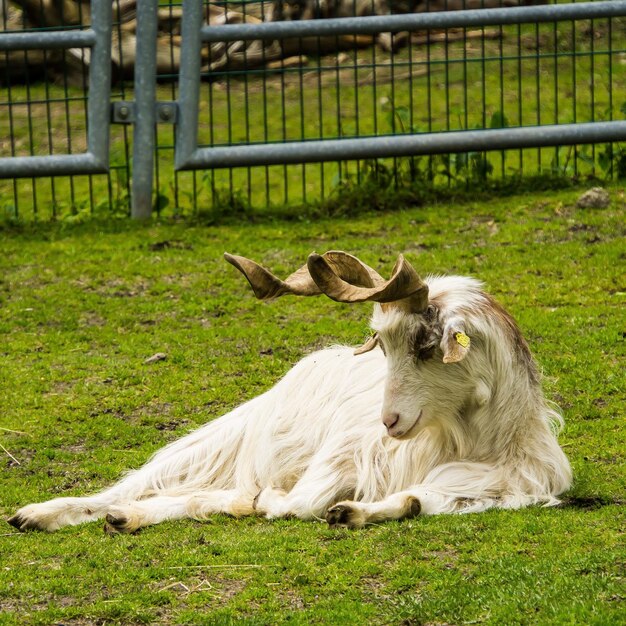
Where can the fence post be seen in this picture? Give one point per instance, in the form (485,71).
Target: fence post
(145,109)
(189,81)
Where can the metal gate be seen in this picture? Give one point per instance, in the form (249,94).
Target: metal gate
(145,112)
(97,40)
(190,156)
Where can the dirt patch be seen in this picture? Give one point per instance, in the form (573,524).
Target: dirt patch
(447,558)
(172,424)
(115,412)
(376,589)
(91,319)
(291,600)
(171,243)
(115,287)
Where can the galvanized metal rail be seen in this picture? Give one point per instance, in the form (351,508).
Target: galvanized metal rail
(190,156)
(98,38)
(470,18)
(145,112)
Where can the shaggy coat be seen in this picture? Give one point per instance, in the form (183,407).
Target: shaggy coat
(442,414)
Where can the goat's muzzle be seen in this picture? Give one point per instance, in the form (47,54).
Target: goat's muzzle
(390,420)
(397,429)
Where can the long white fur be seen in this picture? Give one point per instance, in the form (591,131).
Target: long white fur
(484,437)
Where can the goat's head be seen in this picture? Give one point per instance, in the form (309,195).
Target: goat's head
(418,339)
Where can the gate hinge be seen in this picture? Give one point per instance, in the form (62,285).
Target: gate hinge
(125,112)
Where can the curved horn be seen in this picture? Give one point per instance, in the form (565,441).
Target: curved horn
(266,285)
(405,288)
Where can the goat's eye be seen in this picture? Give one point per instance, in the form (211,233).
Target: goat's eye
(423,346)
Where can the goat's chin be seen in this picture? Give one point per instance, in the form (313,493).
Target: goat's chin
(411,431)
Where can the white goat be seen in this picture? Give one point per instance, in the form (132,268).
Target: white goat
(447,417)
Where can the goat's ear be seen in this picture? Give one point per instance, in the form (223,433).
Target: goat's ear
(370,344)
(455,344)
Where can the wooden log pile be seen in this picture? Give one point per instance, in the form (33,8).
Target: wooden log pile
(72,65)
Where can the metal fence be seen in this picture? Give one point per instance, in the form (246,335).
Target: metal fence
(290,112)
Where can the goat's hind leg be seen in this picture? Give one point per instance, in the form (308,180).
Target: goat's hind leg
(70,511)
(130,517)
(54,514)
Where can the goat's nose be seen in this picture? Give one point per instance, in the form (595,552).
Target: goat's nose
(391,419)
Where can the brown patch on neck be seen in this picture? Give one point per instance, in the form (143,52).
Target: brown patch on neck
(515,337)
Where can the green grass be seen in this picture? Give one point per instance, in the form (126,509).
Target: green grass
(82,307)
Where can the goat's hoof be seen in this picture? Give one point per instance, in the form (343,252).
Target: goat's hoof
(118,523)
(23,523)
(343,516)
(16,521)
(414,507)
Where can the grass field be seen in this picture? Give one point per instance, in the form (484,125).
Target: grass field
(82,307)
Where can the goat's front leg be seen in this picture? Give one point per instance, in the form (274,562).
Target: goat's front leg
(319,486)
(350,514)
(304,501)
(439,493)
(417,500)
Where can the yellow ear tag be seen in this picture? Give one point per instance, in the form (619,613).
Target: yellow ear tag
(462,339)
